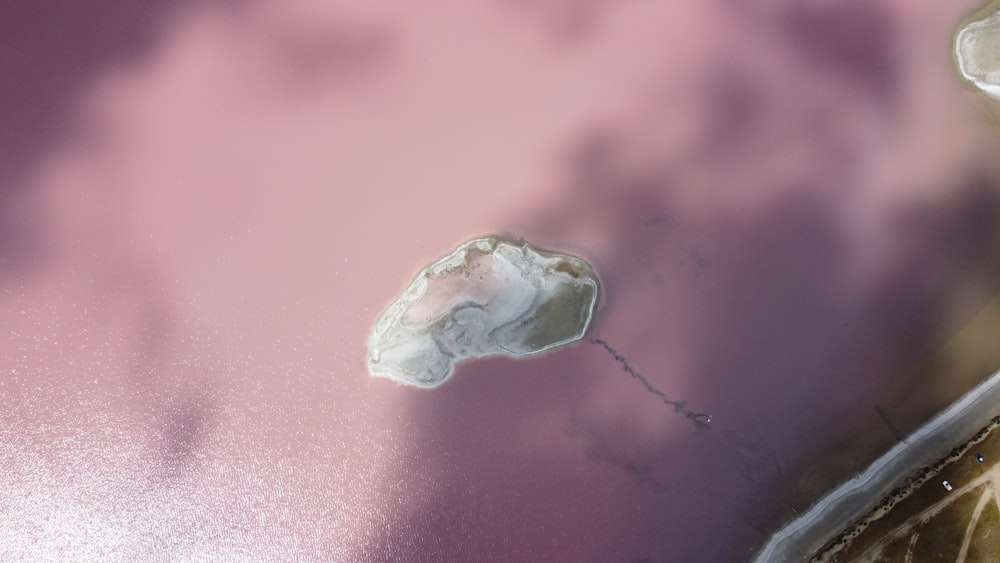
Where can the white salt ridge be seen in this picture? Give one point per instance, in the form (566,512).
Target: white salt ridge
(490,296)
(977,51)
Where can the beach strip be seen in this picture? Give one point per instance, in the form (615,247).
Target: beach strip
(853,499)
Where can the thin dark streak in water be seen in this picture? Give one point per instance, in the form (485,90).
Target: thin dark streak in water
(888,422)
(700,420)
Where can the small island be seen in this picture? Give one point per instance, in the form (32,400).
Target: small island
(493,295)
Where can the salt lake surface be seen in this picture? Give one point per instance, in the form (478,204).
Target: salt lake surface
(205,206)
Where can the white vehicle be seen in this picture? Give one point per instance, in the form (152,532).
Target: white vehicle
(947,485)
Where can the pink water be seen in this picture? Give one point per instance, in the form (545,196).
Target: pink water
(205,206)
